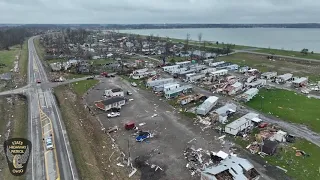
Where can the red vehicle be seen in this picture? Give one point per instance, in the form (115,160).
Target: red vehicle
(263,125)
(129,125)
(104,74)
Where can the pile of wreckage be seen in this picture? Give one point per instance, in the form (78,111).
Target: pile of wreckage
(218,165)
(185,99)
(268,140)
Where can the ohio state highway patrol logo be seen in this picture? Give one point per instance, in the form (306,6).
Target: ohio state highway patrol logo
(17,151)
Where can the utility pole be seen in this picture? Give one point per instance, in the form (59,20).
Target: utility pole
(129,155)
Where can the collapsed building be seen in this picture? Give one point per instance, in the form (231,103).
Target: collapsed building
(231,168)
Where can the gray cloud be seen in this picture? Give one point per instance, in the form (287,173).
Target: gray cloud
(159,11)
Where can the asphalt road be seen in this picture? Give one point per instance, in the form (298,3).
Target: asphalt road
(59,162)
(45,121)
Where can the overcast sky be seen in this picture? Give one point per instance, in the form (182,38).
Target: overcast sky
(159,11)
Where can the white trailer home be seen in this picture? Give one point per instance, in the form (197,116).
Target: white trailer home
(284,78)
(214,64)
(256,84)
(170,87)
(159,82)
(249,94)
(142,73)
(184,63)
(170,68)
(176,92)
(194,77)
(269,75)
(177,71)
(207,105)
(209,70)
(238,125)
(221,72)
(160,88)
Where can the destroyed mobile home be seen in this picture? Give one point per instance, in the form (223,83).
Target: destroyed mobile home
(218,166)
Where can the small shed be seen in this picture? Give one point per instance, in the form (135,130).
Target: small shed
(269,147)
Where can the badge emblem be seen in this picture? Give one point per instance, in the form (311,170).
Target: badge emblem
(17,151)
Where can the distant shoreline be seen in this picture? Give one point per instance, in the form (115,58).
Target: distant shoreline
(172,25)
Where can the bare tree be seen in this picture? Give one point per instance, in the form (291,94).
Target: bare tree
(186,44)
(199,38)
(203,51)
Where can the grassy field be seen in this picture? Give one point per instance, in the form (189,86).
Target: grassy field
(298,68)
(23,62)
(82,87)
(299,167)
(102,61)
(39,48)
(289,106)
(7,58)
(289,53)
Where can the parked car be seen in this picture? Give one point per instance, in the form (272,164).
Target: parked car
(113,114)
(90,78)
(129,93)
(134,84)
(143,136)
(49,144)
(38,81)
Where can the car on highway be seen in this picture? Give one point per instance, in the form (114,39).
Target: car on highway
(49,144)
(113,114)
(134,84)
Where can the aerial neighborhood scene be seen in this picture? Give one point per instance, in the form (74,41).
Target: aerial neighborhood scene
(153,95)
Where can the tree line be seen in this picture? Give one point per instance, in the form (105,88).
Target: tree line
(13,36)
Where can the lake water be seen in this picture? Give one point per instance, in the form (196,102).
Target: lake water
(277,38)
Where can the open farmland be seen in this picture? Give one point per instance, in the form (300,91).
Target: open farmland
(281,65)
(289,106)
(7,58)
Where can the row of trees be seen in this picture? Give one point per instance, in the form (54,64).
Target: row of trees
(13,36)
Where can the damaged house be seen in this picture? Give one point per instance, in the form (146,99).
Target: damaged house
(269,75)
(234,88)
(231,168)
(224,111)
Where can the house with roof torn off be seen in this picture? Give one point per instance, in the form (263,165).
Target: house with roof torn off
(231,168)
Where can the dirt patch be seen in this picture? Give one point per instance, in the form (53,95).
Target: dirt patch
(95,154)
